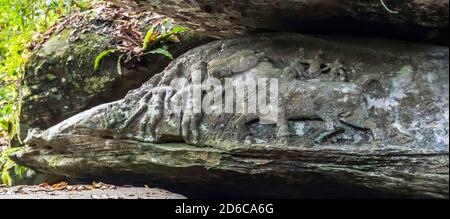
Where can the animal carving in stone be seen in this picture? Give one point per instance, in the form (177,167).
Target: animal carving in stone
(239,62)
(160,103)
(339,104)
(317,68)
(329,98)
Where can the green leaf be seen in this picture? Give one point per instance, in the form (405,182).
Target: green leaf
(100,56)
(174,38)
(161,51)
(4,124)
(6,178)
(149,38)
(166,32)
(178,29)
(173,31)
(6,165)
(119,64)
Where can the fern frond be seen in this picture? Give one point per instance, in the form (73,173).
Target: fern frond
(100,56)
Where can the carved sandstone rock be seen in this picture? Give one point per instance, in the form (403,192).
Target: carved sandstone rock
(224,18)
(358,112)
(60,80)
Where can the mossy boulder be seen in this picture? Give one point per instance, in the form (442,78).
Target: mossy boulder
(60,79)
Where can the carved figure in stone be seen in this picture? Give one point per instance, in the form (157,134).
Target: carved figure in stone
(317,68)
(311,100)
(239,62)
(307,98)
(367,93)
(151,109)
(308,105)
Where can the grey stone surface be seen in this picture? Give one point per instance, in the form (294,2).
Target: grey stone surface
(86,192)
(363,112)
(225,18)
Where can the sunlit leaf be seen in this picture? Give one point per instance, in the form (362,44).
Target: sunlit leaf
(100,56)
(150,38)
(161,51)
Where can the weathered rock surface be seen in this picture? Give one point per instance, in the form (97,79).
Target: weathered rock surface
(377,118)
(225,18)
(60,80)
(85,192)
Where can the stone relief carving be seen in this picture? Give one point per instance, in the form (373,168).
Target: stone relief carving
(310,89)
(338,106)
(325,97)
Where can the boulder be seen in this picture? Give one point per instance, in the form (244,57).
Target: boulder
(60,79)
(414,19)
(366,113)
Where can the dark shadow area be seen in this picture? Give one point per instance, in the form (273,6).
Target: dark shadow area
(240,186)
(358,28)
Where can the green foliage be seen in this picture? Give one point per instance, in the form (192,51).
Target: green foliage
(149,38)
(100,56)
(158,35)
(7,166)
(155,41)
(23,22)
(161,51)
